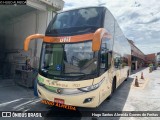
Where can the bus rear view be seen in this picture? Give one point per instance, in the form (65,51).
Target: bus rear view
(77,58)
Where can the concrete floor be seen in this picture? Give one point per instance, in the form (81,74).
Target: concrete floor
(126,98)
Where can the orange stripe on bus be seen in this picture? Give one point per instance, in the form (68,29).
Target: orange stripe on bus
(95,37)
(98,35)
(65,39)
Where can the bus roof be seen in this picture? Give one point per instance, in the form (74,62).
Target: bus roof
(81,8)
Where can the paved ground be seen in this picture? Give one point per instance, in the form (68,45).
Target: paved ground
(126,98)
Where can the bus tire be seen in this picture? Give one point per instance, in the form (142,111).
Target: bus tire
(113,88)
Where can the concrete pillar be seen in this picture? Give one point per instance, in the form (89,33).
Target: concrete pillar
(136,65)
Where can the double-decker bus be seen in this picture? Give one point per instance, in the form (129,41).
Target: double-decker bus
(84,57)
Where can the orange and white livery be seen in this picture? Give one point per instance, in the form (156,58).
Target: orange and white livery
(84,57)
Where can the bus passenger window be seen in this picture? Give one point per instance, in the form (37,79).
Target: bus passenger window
(117,62)
(103,61)
(124,61)
(105,57)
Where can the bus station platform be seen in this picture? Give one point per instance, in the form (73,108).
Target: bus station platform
(127,97)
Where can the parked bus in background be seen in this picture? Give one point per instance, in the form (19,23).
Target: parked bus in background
(158,59)
(84,57)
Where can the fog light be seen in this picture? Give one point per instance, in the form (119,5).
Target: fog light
(87,100)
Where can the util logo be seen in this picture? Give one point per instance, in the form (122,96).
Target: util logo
(65,39)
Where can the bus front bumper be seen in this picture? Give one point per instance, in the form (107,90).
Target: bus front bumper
(87,99)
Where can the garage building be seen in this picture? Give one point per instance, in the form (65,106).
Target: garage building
(16,23)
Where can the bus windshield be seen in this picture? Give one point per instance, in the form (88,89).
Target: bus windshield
(73,61)
(77,21)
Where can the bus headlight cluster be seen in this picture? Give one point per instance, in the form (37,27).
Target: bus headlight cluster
(90,88)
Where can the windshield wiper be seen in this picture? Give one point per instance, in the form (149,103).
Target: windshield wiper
(76,73)
(45,70)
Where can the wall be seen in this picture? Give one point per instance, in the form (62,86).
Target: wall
(15,32)
(19,28)
(1,38)
(150,58)
(135,51)
(1,47)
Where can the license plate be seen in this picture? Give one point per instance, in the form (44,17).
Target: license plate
(57,100)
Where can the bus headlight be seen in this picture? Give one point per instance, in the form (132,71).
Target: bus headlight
(90,88)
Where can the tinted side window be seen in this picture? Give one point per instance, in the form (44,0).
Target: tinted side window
(124,61)
(109,22)
(117,61)
(105,55)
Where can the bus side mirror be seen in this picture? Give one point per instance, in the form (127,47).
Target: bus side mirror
(96,45)
(98,35)
(96,40)
(31,37)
